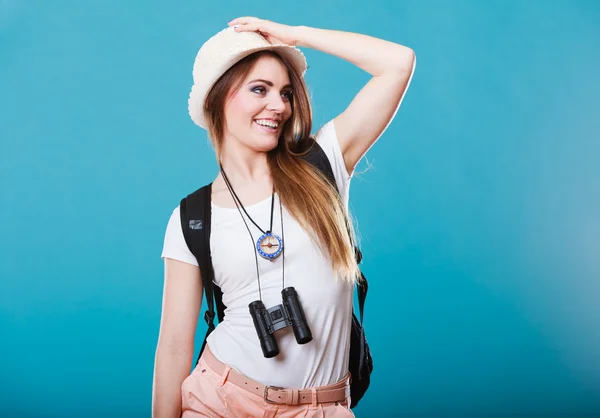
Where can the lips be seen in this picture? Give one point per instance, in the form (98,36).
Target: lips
(267,128)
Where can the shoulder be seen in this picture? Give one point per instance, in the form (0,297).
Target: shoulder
(174,245)
(326,134)
(174,219)
(327,139)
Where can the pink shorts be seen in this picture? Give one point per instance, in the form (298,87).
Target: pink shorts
(208,393)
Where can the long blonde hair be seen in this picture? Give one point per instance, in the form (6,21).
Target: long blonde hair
(305,192)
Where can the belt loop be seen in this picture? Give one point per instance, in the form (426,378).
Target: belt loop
(224,376)
(314,398)
(294,397)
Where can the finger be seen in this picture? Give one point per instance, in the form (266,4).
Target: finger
(244,19)
(249,27)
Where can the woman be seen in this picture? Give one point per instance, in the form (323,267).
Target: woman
(250,95)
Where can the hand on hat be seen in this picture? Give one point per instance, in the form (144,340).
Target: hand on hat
(274,33)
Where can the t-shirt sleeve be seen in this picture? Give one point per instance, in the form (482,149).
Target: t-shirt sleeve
(174,245)
(326,137)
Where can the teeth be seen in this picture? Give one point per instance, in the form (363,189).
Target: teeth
(267,123)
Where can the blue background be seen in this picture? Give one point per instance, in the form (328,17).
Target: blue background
(479,215)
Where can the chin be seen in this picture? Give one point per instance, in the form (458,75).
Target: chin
(264,146)
(264,143)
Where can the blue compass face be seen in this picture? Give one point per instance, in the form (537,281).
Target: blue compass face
(269,246)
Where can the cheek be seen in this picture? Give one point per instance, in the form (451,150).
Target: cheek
(243,108)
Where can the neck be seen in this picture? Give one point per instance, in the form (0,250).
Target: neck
(244,166)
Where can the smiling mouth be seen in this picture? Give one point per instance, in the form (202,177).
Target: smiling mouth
(267,128)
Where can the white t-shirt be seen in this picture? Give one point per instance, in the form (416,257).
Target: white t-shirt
(327,301)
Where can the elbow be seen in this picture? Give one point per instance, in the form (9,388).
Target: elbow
(406,61)
(175,347)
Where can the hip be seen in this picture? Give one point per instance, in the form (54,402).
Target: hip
(215,389)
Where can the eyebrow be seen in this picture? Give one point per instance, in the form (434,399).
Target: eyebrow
(269,83)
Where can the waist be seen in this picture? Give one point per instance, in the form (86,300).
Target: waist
(321,362)
(336,392)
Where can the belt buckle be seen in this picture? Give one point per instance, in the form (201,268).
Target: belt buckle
(267,393)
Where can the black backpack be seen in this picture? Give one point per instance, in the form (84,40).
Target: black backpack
(195,220)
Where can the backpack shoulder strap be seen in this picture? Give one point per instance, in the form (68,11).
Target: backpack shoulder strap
(195,222)
(318,159)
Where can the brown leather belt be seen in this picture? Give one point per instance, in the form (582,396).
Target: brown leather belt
(337,392)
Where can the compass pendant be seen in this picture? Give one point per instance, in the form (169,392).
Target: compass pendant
(269,246)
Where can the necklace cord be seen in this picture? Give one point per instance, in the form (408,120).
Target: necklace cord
(247,227)
(283,249)
(238,204)
(237,199)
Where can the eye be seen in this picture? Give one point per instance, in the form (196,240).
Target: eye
(261,90)
(259,87)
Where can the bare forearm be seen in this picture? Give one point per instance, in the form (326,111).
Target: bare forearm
(170,370)
(373,55)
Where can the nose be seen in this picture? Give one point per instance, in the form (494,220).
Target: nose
(276,103)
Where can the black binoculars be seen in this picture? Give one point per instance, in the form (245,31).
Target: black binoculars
(267,321)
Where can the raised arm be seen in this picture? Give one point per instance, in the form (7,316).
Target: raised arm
(371,111)
(373,108)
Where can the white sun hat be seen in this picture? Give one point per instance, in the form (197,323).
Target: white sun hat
(220,53)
